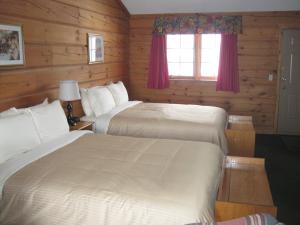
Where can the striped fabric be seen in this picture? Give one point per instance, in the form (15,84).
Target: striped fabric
(260,219)
(256,219)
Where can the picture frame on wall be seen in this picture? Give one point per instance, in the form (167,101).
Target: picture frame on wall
(11,45)
(95,48)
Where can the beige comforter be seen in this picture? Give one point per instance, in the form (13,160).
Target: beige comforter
(110,180)
(172,121)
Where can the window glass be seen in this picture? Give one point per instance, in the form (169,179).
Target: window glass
(173,55)
(187,55)
(210,54)
(180,53)
(186,69)
(174,69)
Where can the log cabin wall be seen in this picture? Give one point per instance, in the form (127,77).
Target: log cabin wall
(259,53)
(55,36)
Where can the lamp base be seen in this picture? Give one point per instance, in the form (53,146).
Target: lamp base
(72,120)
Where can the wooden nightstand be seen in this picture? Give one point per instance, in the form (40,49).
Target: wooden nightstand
(244,189)
(240,135)
(82,125)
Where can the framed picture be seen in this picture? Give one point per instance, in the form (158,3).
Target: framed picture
(95,48)
(11,45)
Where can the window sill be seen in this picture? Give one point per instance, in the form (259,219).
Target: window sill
(191,79)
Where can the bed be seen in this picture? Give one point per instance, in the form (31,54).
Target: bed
(88,179)
(159,120)
(112,113)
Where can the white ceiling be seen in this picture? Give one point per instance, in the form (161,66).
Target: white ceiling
(205,6)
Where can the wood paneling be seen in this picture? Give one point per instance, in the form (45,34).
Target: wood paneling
(55,36)
(258,49)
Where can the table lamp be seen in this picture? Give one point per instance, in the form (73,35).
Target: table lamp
(69,91)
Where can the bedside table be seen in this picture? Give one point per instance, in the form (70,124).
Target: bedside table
(82,125)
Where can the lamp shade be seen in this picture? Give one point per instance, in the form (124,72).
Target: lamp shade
(68,90)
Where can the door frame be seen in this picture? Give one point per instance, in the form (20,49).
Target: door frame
(282,28)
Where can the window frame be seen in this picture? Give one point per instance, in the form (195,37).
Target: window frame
(197,64)
(183,77)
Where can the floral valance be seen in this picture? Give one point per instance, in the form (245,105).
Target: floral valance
(201,24)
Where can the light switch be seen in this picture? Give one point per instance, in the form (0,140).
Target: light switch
(270,77)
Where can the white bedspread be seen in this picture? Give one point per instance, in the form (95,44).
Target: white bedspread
(112,180)
(101,124)
(167,121)
(11,166)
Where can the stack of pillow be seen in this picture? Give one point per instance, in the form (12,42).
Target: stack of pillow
(23,129)
(99,100)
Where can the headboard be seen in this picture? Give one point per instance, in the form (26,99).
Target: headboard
(33,99)
(27,101)
(24,101)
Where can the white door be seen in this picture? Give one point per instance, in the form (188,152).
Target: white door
(289,103)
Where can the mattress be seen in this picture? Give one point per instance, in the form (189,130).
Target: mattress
(170,121)
(111,180)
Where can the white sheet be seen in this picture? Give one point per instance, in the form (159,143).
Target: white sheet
(109,180)
(11,166)
(102,122)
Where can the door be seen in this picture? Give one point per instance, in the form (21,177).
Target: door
(289,102)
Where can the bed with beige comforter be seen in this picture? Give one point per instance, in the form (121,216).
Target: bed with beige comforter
(111,180)
(172,121)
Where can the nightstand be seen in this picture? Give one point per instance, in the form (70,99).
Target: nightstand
(82,125)
(240,135)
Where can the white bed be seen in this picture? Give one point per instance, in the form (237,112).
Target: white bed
(158,120)
(88,179)
(11,166)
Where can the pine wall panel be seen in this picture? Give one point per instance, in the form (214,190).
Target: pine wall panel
(259,54)
(55,36)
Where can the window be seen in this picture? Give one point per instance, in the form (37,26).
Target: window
(193,56)
(180,53)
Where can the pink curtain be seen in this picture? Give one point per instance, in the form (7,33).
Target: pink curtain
(158,77)
(228,75)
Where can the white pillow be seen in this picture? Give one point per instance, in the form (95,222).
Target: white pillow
(18,134)
(10,112)
(50,120)
(85,102)
(101,100)
(119,92)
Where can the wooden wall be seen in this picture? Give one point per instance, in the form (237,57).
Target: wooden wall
(55,35)
(258,56)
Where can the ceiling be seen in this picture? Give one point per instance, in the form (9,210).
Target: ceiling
(205,6)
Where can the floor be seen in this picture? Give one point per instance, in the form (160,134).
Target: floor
(282,154)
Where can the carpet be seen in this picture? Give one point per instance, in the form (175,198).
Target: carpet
(282,161)
(292,143)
